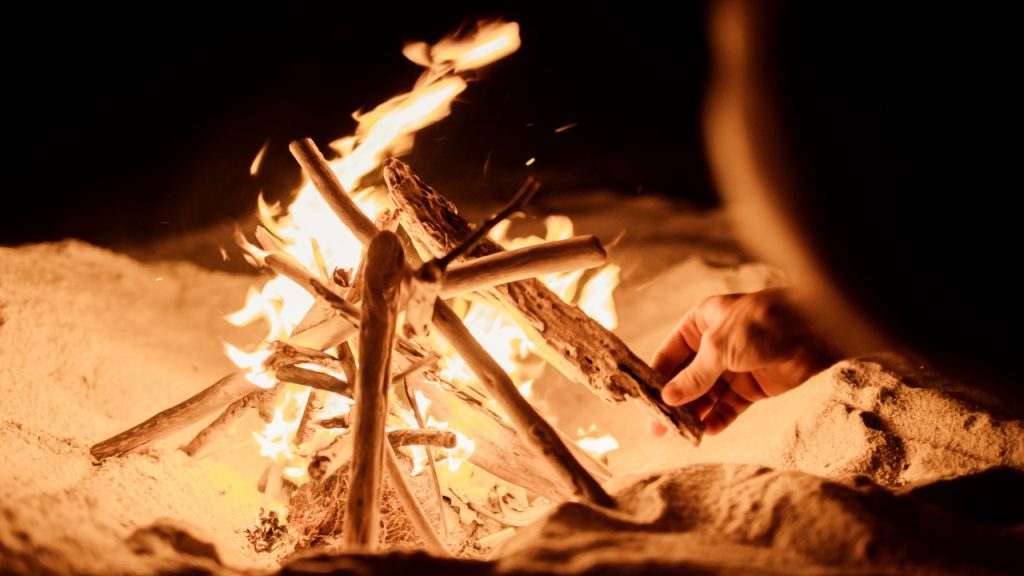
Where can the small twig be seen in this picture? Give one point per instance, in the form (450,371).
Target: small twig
(517,204)
(318,257)
(418,414)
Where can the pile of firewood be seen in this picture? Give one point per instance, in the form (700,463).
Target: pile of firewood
(392,278)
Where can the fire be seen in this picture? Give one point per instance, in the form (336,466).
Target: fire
(596,446)
(308,231)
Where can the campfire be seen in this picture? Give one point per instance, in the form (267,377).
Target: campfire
(395,387)
(368,368)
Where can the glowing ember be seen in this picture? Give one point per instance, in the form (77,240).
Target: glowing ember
(596,446)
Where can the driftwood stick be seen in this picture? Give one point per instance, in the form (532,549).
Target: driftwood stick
(385,268)
(327,183)
(414,405)
(227,420)
(530,424)
(522,263)
(424,288)
(422,437)
(314,406)
(431,541)
(575,344)
(224,391)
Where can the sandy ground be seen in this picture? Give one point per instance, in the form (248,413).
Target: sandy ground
(827,478)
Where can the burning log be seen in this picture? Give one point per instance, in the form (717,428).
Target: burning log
(385,266)
(574,343)
(534,429)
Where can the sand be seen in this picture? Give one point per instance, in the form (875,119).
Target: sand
(877,465)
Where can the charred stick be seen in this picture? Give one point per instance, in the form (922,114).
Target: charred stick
(517,204)
(385,265)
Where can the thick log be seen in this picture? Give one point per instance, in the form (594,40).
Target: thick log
(385,267)
(579,347)
(224,391)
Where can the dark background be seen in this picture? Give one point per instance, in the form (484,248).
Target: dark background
(902,122)
(135,124)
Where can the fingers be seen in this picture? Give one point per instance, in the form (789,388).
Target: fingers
(703,405)
(725,412)
(674,350)
(695,380)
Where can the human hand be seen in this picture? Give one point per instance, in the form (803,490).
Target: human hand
(733,350)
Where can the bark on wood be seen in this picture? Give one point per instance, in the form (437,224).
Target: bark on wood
(385,264)
(575,344)
(225,391)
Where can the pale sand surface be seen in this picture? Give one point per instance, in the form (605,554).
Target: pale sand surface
(818,480)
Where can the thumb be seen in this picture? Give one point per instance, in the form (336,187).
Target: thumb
(695,380)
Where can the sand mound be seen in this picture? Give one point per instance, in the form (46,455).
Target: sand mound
(740,518)
(92,342)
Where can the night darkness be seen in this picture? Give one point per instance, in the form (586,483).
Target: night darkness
(130,133)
